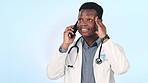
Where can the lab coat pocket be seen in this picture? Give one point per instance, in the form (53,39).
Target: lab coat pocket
(104,66)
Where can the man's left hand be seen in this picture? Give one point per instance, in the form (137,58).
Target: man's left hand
(101,28)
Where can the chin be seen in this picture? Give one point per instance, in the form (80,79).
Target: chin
(88,35)
(85,35)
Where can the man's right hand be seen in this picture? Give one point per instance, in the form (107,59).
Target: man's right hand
(66,39)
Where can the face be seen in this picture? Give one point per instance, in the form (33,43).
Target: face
(86,22)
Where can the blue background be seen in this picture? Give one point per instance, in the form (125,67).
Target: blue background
(32,30)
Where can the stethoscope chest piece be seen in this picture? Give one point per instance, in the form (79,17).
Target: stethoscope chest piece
(98,61)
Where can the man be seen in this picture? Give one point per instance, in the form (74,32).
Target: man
(94,57)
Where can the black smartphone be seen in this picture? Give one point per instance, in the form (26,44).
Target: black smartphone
(75,30)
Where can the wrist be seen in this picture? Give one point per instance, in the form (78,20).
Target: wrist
(64,46)
(105,38)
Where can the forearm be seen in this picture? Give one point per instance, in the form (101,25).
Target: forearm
(55,67)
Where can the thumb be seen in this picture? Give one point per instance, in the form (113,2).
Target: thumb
(97,32)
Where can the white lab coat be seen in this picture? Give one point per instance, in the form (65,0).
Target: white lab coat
(114,61)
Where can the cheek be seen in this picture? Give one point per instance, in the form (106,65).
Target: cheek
(93,27)
(78,27)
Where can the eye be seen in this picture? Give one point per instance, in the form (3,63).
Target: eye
(80,20)
(89,20)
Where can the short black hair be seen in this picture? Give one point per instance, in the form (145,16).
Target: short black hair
(93,5)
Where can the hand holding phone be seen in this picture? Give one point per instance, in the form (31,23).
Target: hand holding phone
(75,30)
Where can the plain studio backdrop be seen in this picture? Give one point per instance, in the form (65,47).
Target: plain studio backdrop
(32,30)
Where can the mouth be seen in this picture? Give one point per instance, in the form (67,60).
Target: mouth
(84,29)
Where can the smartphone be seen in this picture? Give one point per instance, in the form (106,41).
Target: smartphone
(75,30)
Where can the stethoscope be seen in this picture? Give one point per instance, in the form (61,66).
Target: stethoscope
(98,60)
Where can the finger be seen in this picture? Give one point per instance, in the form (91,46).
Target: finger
(99,23)
(102,25)
(97,20)
(97,32)
(68,31)
(69,28)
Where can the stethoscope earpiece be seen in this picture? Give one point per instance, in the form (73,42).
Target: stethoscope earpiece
(98,61)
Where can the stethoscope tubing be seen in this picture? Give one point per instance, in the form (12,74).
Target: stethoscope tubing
(98,60)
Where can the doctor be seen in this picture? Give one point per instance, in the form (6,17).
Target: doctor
(82,66)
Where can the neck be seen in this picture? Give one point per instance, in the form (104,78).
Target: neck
(89,40)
